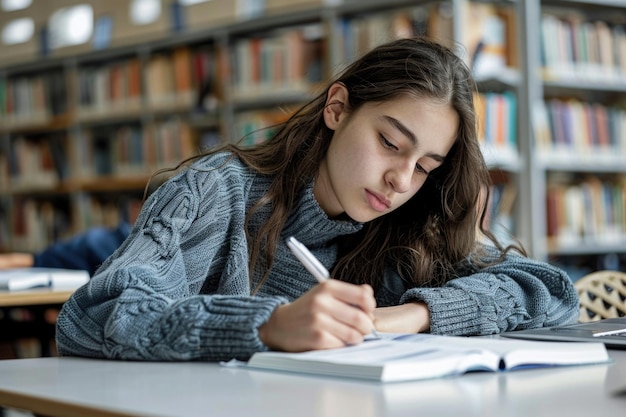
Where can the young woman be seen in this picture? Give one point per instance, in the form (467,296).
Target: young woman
(380,176)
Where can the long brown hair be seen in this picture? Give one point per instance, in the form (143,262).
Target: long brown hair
(430,234)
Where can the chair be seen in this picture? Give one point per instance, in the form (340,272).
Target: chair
(602,295)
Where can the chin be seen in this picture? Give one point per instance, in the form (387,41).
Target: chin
(363,217)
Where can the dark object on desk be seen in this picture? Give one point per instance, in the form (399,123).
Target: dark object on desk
(84,251)
(611,332)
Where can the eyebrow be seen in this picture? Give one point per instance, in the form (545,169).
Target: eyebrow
(407,132)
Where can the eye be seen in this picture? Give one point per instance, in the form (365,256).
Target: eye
(386,143)
(420,169)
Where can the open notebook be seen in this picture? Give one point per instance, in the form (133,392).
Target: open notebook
(422,356)
(611,332)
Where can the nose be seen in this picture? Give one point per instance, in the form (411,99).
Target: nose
(400,178)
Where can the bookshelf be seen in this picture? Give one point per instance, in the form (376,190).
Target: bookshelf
(138,100)
(94,122)
(575,90)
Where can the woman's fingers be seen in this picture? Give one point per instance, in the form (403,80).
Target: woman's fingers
(361,296)
(333,314)
(350,304)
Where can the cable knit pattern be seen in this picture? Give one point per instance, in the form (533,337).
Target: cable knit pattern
(517,294)
(178,288)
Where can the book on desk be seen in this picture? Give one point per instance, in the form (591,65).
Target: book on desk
(19,279)
(421,356)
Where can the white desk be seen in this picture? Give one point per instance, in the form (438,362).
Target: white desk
(74,387)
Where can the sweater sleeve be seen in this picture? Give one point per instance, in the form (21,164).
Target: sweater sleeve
(178,287)
(516,294)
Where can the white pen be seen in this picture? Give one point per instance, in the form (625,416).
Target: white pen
(312,264)
(306,258)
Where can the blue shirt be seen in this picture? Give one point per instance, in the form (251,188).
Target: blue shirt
(86,251)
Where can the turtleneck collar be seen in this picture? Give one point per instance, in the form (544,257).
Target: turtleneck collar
(312,226)
(308,222)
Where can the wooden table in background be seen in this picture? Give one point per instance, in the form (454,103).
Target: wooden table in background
(37,302)
(33,297)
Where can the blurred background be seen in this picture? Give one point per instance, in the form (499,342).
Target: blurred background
(95,96)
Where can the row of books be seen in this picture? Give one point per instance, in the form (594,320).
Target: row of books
(288,60)
(32,99)
(173,79)
(115,87)
(132,149)
(497,119)
(108,211)
(499,215)
(254,127)
(488,35)
(361,33)
(573,46)
(34,163)
(39,222)
(589,210)
(45,162)
(575,127)
(181,79)
(496,113)
(178,79)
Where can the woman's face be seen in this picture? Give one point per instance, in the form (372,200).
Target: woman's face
(380,155)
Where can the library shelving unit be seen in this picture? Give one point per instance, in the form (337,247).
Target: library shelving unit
(575,83)
(83,127)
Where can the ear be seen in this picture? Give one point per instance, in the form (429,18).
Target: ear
(336,105)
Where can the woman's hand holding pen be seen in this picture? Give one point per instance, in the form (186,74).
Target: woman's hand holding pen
(330,315)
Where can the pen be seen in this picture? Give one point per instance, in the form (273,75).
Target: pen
(306,258)
(312,264)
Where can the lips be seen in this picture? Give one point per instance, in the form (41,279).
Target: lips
(377,201)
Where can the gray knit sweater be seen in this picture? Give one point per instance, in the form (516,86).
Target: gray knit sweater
(178,288)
